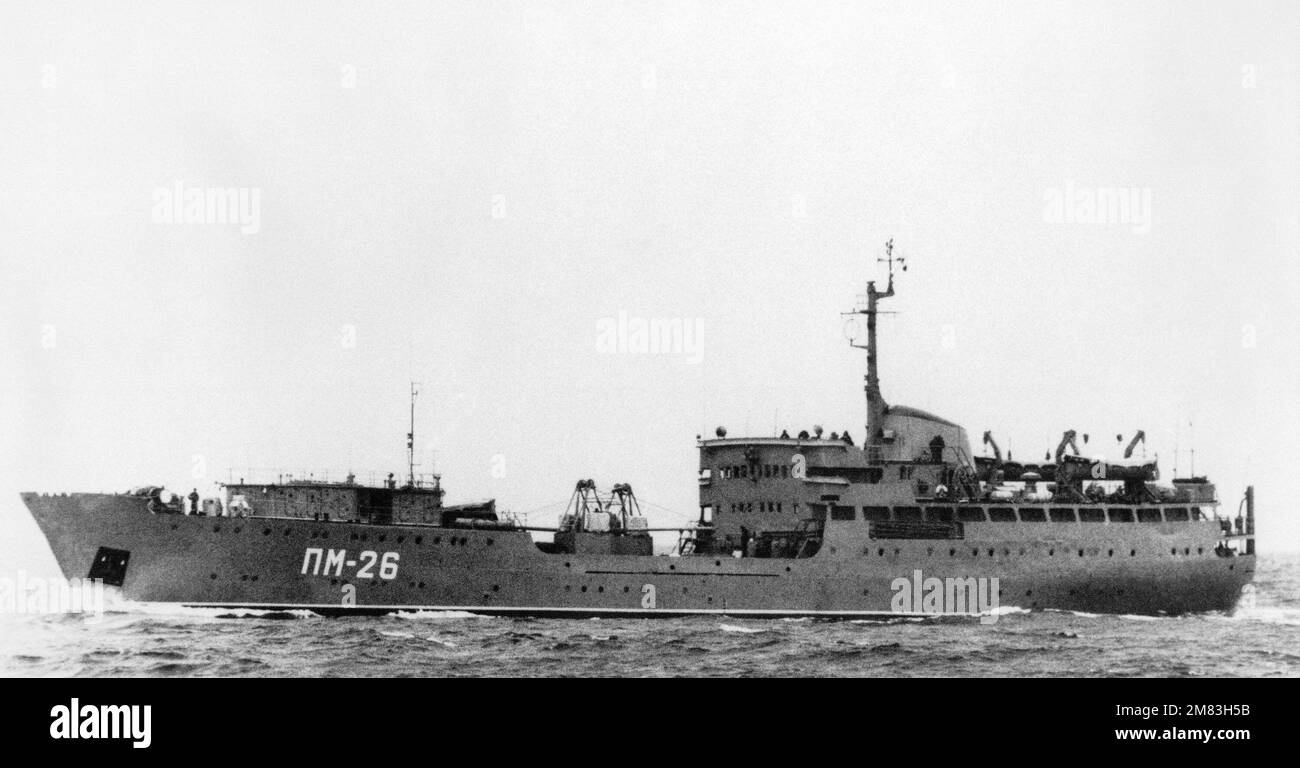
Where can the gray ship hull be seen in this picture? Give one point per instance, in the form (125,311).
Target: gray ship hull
(343,568)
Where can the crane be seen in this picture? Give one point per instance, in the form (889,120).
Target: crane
(1140,437)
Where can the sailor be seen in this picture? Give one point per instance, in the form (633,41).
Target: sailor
(785,435)
(847,438)
(194,501)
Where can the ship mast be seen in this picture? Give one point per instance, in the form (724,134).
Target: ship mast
(876,404)
(410,440)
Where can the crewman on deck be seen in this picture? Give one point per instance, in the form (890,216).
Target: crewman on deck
(194,501)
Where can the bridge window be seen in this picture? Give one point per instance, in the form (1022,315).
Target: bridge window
(1002,515)
(843,513)
(1033,515)
(1196,514)
(1176,514)
(939,514)
(970,514)
(1120,515)
(1092,515)
(910,514)
(876,514)
(1062,515)
(1149,516)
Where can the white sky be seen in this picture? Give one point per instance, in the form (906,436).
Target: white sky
(737,165)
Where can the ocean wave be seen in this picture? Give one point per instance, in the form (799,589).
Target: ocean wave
(744,630)
(438,615)
(1267,614)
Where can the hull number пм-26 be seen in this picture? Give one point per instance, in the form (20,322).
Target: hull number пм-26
(316,562)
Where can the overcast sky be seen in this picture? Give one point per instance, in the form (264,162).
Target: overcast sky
(467,194)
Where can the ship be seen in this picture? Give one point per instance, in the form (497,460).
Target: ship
(908,522)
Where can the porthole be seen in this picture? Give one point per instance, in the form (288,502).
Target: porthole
(584,587)
(419,539)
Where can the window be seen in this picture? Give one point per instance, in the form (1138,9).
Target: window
(1176,514)
(939,514)
(1196,513)
(1002,515)
(1092,515)
(1149,516)
(876,514)
(843,513)
(1033,515)
(1120,515)
(1062,515)
(910,514)
(970,514)
(852,474)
